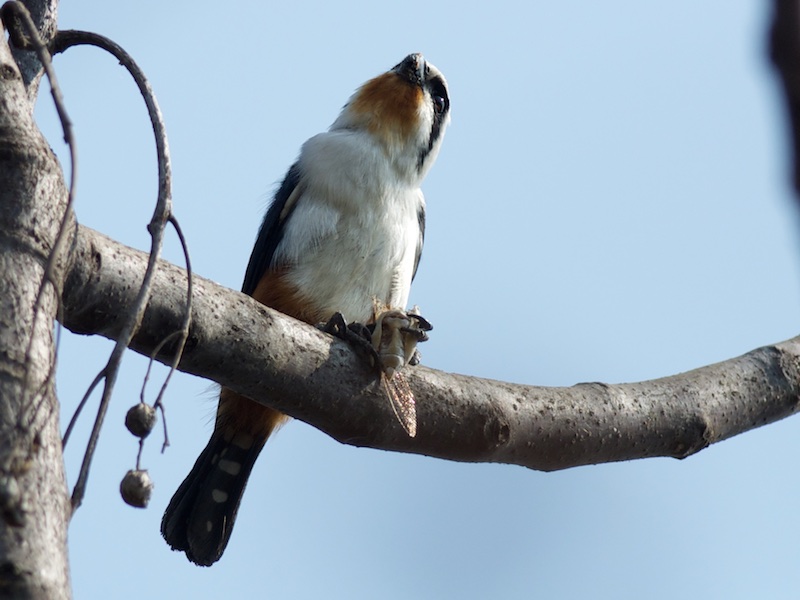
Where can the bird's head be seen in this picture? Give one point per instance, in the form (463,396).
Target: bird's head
(406,109)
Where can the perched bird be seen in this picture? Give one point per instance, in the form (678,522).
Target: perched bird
(343,235)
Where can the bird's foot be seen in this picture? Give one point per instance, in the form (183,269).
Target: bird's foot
(358,335)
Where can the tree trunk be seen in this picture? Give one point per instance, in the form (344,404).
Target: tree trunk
(33,494)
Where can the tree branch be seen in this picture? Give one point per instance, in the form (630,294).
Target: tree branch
(284,363)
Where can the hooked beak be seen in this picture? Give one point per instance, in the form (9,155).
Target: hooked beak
(412,68)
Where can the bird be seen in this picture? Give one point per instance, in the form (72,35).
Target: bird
(343,234)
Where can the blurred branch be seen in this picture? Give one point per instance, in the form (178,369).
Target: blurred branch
(265,355)
(785,54)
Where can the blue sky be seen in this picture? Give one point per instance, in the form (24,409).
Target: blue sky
(610,204)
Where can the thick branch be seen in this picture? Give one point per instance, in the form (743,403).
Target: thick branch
(286,364)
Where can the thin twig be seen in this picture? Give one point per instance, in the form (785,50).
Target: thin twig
(139,454)
(162,213)
(183,334)
(81,404)
(184,331)
(158,404)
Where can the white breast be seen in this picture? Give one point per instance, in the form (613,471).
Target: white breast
(352,236)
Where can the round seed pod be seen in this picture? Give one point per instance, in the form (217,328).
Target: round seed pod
(141,419)
(136,488)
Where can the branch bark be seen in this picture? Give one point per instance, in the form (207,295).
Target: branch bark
(44,16)
(33,500)
(288,365)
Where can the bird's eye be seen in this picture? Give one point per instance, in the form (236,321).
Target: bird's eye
(438,104)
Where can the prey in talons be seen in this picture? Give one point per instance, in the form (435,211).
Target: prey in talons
(390,343)
(395,338)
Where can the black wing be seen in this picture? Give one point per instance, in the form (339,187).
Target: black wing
(421,221)
(271,232)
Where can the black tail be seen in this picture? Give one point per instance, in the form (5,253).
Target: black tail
(199,518)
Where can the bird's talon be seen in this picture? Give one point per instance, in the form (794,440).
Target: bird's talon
(416,358)
(334,326)
(422,322)
(357,335)
(361,330)
(418,334)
